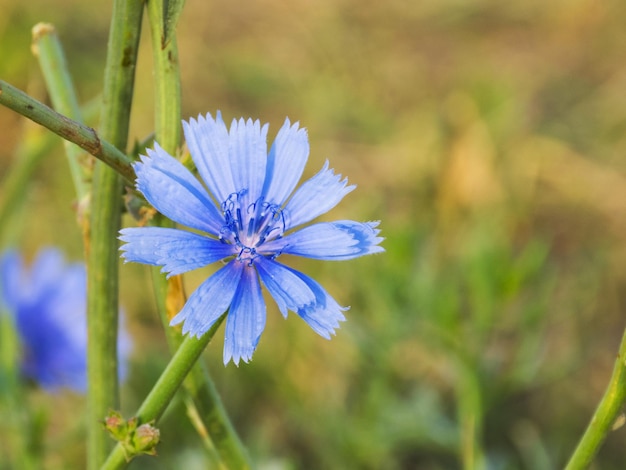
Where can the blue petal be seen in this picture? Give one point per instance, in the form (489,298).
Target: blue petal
(56,357)
(48,305)
(299,293)
(248,158)
(67,301)
(340,240)
(208,143)
(55,332)
(315,197)
(178,251)
(246,319)
(49,311)
(287,289)
(46,270)
(209,301)
(175,192)
(325,314)
(285,163)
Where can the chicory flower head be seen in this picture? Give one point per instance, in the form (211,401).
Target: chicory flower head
(48,306)
(246,210)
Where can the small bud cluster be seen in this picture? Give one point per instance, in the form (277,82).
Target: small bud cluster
(134,438)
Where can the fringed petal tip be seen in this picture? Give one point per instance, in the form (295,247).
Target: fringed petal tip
(191,326)
(316,196)
(201,119)
(235,358)
(285,162)
(150,158)
(324,321)
(374,240)
(238,350)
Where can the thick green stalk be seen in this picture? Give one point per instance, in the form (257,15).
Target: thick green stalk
(105,214)
(605,416)
(83,136)
(163,391)
(102,310)
(202,399)
(173,9)
(166,81)
(47,48)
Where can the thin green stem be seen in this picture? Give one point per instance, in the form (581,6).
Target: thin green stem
(48,50)
(215,419)
(166,81)
(105,215)
(83,136)
(214,461)
(470,416)
(163,391)
(19,446)
(605,416)
(102,310)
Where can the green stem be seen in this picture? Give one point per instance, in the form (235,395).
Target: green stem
(173,9)
(470,416)
(47,48)
(605,416)
(163,391)
(83,136)
(102,310)
(16,427)
(214,461)
(105,215)
(166,81)
(215,419)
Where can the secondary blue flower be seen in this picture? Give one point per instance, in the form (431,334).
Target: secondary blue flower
(246,217)
(48,305)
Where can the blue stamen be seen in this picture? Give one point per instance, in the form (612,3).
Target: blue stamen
(239,222)
(251,227)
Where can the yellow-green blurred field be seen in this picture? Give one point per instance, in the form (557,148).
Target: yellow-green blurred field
(490,140)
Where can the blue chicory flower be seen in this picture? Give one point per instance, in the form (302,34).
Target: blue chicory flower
(246,217)
(48,305)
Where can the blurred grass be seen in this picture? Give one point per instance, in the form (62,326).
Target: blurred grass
(490,140)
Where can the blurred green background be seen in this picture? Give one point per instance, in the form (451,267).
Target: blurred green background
(490,140)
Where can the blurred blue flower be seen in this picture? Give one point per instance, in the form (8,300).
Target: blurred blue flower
(249,226)
(48,305)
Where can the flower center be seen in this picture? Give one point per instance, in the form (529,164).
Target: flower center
(249,225)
